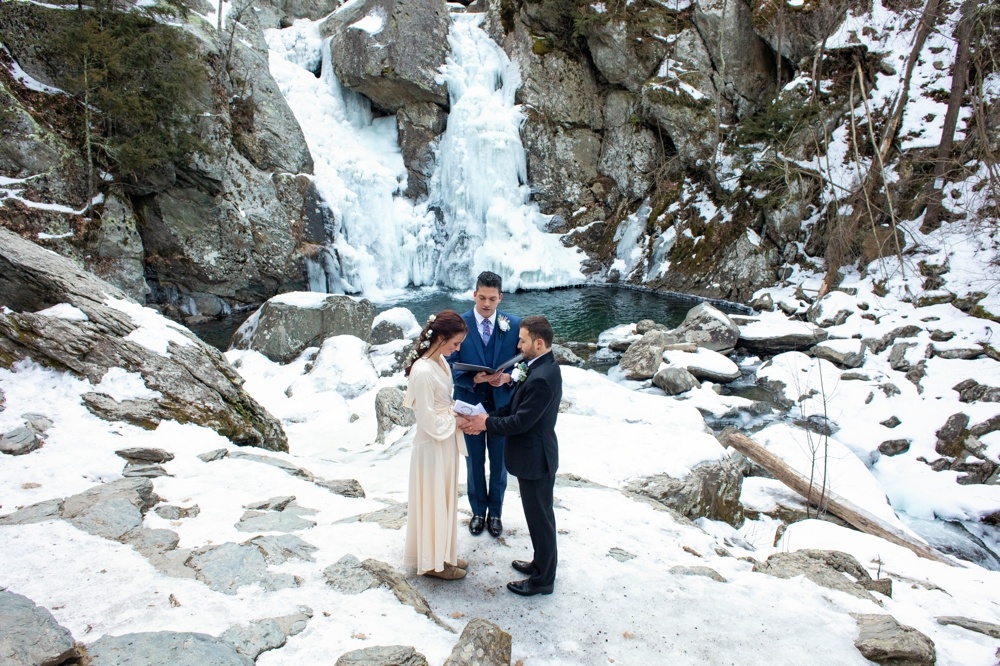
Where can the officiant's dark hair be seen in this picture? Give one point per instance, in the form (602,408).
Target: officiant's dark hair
(538,328)
(441,326)
(489,279)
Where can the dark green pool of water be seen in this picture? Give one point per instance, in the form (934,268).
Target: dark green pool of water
(577,314)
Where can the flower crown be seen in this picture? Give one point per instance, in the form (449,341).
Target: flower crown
(423,342)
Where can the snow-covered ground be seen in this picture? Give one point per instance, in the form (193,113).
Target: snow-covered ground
(616,599)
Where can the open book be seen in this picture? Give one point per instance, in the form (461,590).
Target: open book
(469,367)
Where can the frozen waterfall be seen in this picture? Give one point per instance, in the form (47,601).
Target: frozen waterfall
(380,241)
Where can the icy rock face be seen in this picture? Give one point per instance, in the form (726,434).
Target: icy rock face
(389,50)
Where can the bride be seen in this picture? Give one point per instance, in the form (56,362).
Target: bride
(432,515)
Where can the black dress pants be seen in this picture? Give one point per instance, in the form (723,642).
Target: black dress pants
(536,498)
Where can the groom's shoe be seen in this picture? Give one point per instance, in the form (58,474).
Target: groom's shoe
(527,589)
(476,525)
(494,526)
(527,568)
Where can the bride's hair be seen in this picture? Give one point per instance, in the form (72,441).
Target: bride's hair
(440,327)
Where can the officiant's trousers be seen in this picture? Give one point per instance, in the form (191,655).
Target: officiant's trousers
(486,497)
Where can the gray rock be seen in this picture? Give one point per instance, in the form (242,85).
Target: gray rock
(153,541)
(389,412)
(171,512)
(141,455)
(482,643)
(227,567)
(20,441)
(707,572)
(283,465)
(31,636)
(420,124)
(952,435)
(164,648)
(253,639)
(144,471)
(972,391)
(844,359)
(686,117)
(272,521)
(212,456)
(711,490)
(620,554)
(879,345)
(963,353)
(278,549)
(826,568)
(893,447)
(763,303)
(396,65)
(273,504)
(622,50)
(565,356)
(795,33)
(704,364)
(708,327)
(674,380)
(831,309)
(281,331)
(991,424)
(763,342)
(643,357)
(986,628)
(630,151)
(406,593)
(35,513)
(891,422)
(345,487)
(897,356)
(382,655)
(386,331)
(195,381)
(347,576)
(37,422)
(111,510)
(393,517)
(883,640)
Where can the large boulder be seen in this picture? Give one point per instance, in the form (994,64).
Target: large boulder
(885,641)
(643,357)
(390,50)
(827,568)
(288,324)
(711,490)
(482,643)
(708,327)
(31,636)
(625,48)
(97,327)
(389,411)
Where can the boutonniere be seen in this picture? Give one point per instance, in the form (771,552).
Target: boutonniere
(520,373)
(503,323)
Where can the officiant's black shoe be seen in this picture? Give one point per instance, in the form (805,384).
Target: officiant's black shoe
(527,568)
(494,526)
(528,589)
(476,525)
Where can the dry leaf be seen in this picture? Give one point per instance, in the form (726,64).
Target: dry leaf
(30,485)
(173,602)
(519,662)
(360,636)
(689,549)
(628,634)
(458,614)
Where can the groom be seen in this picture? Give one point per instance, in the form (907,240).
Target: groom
(492,339)
(529,422)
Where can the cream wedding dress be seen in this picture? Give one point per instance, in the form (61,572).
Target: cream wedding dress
(432,515)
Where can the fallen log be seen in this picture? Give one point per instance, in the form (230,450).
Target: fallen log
(828,500)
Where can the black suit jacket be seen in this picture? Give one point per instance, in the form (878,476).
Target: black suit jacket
(529,422)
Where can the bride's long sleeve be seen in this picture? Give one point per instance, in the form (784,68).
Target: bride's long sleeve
(434,417)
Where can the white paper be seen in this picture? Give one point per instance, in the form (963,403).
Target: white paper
(467,409)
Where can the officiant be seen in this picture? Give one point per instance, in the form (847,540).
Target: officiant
(492,340)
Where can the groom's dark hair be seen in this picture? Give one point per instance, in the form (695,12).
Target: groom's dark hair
(538,327)
(489,279)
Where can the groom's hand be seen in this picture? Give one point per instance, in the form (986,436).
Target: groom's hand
(474,424)
(481,377)
(499,379)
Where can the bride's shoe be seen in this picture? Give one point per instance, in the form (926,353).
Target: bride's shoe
(462,564)
(451,572)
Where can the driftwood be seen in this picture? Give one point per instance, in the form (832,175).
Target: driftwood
(829,501)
